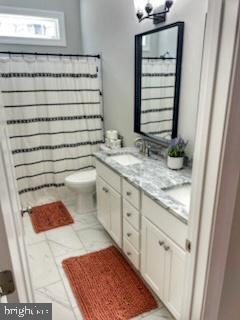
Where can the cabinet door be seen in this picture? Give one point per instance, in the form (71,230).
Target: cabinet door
(103,210)
(153,257)
(174,278)
(115,209)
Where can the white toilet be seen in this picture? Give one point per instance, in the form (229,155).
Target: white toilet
(83,183)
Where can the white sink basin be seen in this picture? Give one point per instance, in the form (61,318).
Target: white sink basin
(181,193)
(126,159)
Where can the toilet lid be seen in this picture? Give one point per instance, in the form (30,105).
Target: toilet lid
(82,176)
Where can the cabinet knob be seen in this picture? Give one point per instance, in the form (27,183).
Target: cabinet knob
(129,253)
(161,243)
(105,189)
(166,248)
(129,193)
(129,234)
(129,214)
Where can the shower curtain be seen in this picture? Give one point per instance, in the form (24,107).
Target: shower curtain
(158,82)
(53,107)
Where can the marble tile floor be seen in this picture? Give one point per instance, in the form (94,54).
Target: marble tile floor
(47,250)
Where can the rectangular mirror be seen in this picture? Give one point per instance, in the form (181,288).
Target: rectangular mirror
(158,58)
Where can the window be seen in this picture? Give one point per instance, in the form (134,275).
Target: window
(32,27)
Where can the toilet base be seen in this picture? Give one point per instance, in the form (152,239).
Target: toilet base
(85,202)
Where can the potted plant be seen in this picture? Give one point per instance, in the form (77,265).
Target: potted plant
(176,153)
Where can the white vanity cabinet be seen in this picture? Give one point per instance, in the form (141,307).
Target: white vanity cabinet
(103,203)
(151,237)
(131,222)
(109,203)
(153,257)
(162,259)
(174,278)
(131,194)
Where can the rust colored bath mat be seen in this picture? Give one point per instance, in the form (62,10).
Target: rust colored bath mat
(106,287)
(50,216)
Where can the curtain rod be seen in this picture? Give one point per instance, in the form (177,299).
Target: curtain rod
(50,54)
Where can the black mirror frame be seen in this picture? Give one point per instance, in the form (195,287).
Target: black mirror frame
(138,81)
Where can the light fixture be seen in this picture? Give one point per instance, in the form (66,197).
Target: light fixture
(155,10)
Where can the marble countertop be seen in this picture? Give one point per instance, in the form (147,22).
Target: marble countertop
(152,176)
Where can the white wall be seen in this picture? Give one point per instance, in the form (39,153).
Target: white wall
(72,21)
(109,26)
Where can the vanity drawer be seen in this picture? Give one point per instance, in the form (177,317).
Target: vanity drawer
(112,178)
(131,234)
(131,253)
(164,220)
(131,215)
(131,194)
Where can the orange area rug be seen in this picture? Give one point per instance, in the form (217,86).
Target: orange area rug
(106,287)
(50,216)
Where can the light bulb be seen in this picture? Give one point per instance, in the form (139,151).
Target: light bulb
(141,4)
(157,3)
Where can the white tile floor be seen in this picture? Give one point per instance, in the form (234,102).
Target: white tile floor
(47,250)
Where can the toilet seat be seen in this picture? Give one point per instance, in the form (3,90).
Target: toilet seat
(82,177)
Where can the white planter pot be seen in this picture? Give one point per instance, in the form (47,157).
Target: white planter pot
(175,163)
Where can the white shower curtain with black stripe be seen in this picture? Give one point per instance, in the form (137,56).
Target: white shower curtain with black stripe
(158,91)
(54,116)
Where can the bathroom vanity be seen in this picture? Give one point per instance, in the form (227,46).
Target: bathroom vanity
(144,207)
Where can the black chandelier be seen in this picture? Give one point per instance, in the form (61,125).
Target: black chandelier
(157,14)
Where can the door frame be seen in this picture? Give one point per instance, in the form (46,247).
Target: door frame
(214,167)
(10,212)
(5,259)
(228,192)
